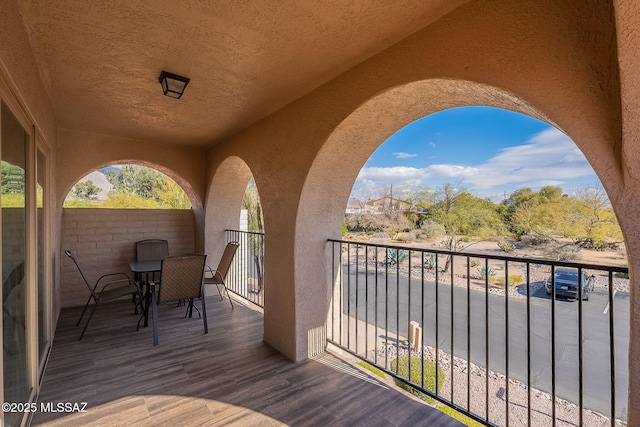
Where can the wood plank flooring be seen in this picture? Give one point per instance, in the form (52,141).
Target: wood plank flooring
(227,377)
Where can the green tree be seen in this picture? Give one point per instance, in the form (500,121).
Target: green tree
(13,181)
(139,180)
(590,220)
(251,202)
(172,195)
(528,211)
(85,191)
(464,216)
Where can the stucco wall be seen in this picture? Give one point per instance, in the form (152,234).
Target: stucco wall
(550,59)
(103,241)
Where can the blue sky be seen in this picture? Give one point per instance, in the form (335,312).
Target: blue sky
(488,151)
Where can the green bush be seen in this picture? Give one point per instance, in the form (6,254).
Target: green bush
(506,246)
(430,263)
(396,256)
(622,275)
(372,369)
(514,279)
(418,371)
(485,273)
(459,416)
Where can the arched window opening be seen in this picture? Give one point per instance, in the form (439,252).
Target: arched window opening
(490,178)
(127,186)
(484,235)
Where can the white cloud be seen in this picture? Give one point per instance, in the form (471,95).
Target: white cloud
(432,144)
(401,155)
(548,158)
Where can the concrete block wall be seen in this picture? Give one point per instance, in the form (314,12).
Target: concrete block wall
(103,241)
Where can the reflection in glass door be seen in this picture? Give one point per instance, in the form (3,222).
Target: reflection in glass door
(41,212)
(14,140)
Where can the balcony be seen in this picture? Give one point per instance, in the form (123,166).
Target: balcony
(227,377)
(513,342)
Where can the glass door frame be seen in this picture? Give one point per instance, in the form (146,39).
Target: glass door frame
(10,96)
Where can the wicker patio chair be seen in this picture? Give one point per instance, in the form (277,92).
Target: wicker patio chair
(181,281)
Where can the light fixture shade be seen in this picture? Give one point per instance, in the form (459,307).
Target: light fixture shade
(173,85)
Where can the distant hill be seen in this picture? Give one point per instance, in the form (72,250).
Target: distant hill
(100,181)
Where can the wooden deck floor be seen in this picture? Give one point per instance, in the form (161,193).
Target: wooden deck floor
(228,377)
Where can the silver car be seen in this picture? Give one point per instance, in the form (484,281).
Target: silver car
(566,283)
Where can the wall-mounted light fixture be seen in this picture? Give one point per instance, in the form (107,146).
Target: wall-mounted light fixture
(173,85)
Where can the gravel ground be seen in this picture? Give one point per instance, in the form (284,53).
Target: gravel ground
(567,414)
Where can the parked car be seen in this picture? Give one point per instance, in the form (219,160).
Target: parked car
(566,283)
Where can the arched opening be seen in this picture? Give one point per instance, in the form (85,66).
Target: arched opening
(234,214)
(131,185)
(129,201)
(327,190)
(530,179)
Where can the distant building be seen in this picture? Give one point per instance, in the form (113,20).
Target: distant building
(383,204)
(388,203)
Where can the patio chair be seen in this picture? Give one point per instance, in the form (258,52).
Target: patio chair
(117,285)
(181,281)
(217,277)
(151,250)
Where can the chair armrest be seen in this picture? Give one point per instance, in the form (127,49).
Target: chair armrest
(123,277)
(115,282)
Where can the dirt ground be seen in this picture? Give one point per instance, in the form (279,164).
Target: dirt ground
(538,272)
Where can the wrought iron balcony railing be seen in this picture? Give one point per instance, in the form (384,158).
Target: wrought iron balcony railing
(246,274)
(500,339)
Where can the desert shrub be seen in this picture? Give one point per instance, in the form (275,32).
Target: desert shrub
(474,263)
(514,280)
(598,245)
(534,240)
(506,246)
(381,235)
(430,262)
(561,251)
(405,236)
(419,372)
(485,273)
(396,256)
(390,222)
(431,229)
(622,275)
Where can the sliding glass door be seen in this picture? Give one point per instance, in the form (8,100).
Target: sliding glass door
(14,140)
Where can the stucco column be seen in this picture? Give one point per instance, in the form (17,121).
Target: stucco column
(628,37)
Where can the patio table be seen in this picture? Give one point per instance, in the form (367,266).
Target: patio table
(140,268)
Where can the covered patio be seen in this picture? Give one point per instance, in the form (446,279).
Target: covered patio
(296,95)
(227,377)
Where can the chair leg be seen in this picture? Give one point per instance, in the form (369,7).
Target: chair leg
(93,309)
(190,308)
(204,316)
(83,310)
(228,296)
(154,312)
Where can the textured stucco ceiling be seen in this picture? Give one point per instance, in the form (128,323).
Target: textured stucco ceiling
(100,61)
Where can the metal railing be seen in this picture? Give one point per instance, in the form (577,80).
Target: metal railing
(246,275)
(489,336)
